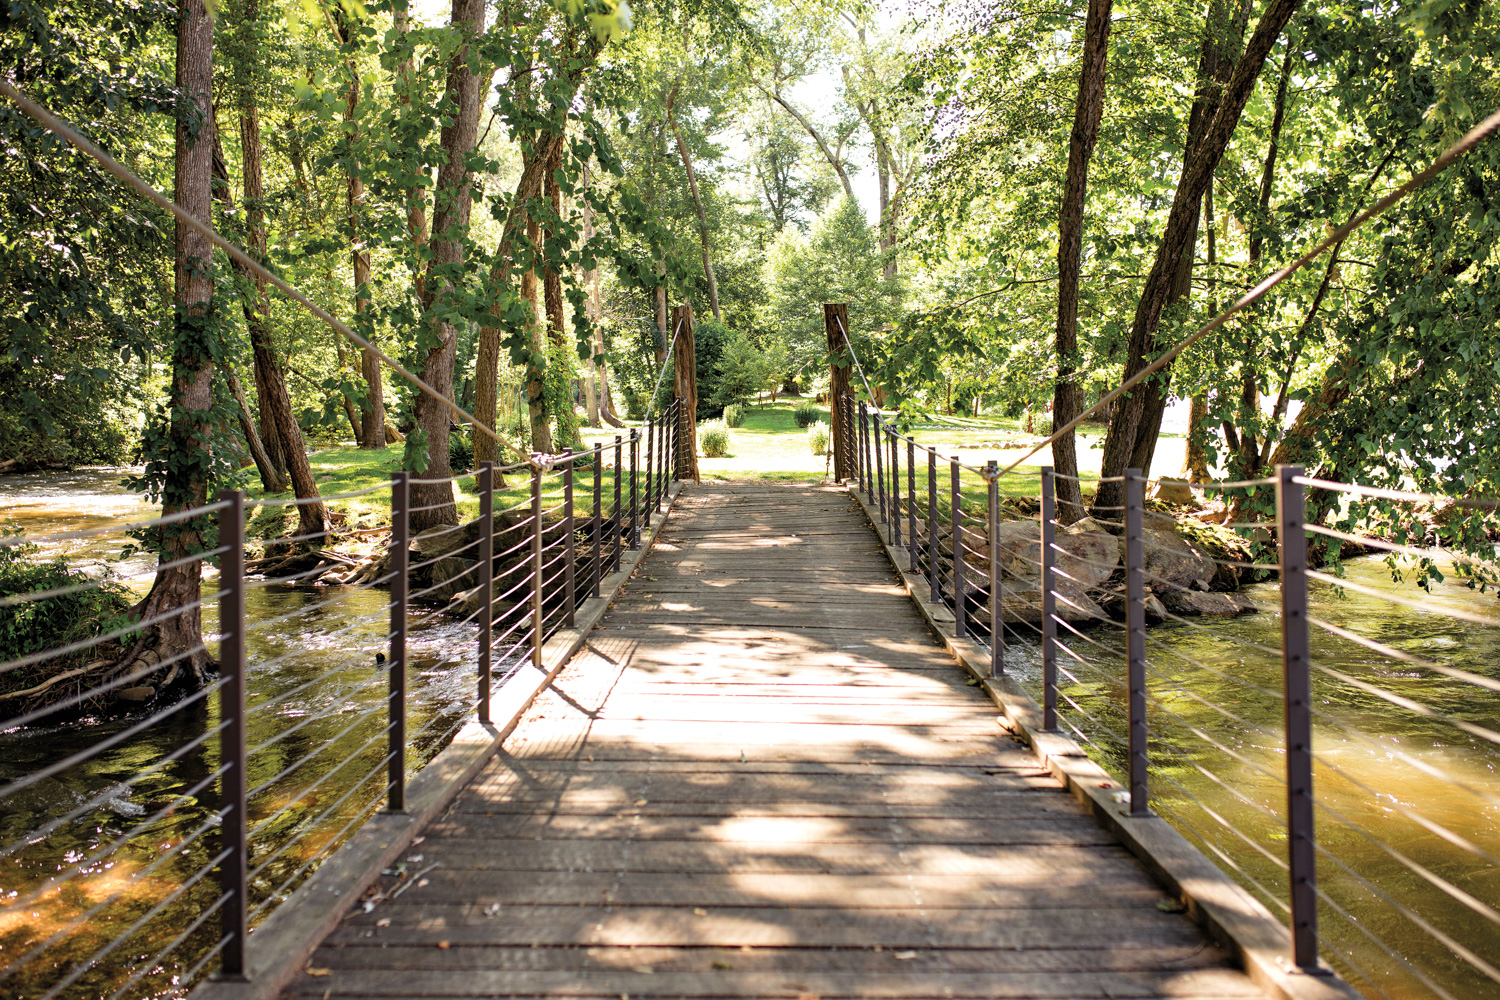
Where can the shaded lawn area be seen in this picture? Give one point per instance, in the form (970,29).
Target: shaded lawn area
(768,447)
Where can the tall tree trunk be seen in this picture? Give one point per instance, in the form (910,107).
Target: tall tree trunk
(1195,462)
(450,224)
(178,587)
(1197,171)
(1249,452)
(312,517)
(356,424)
(692,179)
(1087,112)
(268,478)
(371,432)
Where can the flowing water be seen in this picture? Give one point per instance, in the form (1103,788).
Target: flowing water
(315,674)
(1406,799)
(1408,819)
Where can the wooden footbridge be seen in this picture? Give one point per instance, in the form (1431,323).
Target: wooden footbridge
(765,776)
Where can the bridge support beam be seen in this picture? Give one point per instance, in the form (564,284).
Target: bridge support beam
(835,325)
(685,388)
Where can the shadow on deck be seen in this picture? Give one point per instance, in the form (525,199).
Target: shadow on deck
(764,776)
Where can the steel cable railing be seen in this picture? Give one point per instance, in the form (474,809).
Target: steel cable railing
(315,726)
(1221,724)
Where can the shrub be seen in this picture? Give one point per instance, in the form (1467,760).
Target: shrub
(818,438)
(460,452)
(806,413)
(713,438)
(734,415)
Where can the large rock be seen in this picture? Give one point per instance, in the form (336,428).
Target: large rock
(1087,558)
(1187,602)
(1175,491)
(1171,561)
(1021,601)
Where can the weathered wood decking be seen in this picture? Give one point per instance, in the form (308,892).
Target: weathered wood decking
(764,777)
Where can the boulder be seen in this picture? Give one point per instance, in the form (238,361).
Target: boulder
(1088,557)
(1174,491)
(1021,601)
(1216,605)
(139,693)
(1170,560)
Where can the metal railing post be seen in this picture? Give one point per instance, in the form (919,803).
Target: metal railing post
(570,579)
(537,627)
(932,528)
(598,531)
(861,445)
(661,462)
(486,582)
(635,500)
(997,597)
(1296,655)
(232,753)
(911,501)
(1135,638)
(895,491)
(1049,600)
(616,542)
(864,428)
(956,510)
(396,686)
(650,471)
(879,469)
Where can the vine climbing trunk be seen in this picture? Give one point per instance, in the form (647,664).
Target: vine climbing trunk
(1065,394)
(178,584)
(432,502)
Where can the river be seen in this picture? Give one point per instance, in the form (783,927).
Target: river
(336,642)
(1387,778)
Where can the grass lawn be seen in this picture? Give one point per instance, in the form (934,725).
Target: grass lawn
(769,446)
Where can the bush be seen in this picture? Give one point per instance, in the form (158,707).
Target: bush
(734,415)
(818,438)
(33,626)
(713,438)
(460,452)
(806,413)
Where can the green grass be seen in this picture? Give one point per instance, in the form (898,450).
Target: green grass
(768,447)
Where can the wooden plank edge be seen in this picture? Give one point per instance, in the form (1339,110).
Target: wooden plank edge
(279,948)
(1231,916)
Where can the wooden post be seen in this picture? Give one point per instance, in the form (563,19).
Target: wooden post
(685,388)
(835,323)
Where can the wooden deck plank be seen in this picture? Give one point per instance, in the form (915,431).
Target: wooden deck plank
(764,777)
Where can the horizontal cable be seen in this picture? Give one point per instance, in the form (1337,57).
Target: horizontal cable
(1416,707)
(32,837)
(1385,494)
(78,588)
(26,781)
(154,963)
(359,817)
(338,696)
(303,793)
(413,567)
(11,541)
(77,647)
(1240,484)
(1458,949)
(1405,602)
(1478,680)
(142,921)
(94,692)
(131,878)
(1238,720)
(1346,955)
(69,871)
(300,501)
(1458,558)
(1216,847)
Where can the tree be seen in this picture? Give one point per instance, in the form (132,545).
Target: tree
(1088,110)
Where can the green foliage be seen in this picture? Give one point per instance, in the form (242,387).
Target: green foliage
(460,452)
(741,369)
(32,626)
(734,415)
(713,438)
(818,438)
(806,413)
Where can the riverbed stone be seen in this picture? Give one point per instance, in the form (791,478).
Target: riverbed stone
(1214,605)
(1174,491)
(138,693)
(1172,561)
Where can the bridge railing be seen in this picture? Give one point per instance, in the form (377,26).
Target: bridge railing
(144,834)
(1328,753)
